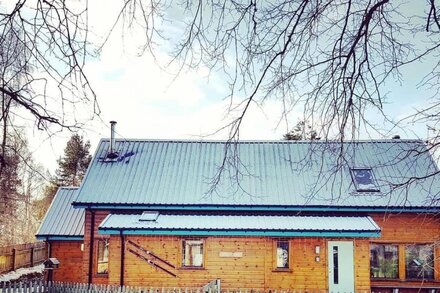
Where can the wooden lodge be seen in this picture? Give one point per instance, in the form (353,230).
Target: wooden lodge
(333,216)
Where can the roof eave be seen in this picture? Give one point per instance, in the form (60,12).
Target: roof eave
(259,208)
(249,233)
(60,237)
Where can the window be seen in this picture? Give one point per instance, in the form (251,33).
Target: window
(419,261)
(102,262)
(282,254)
(384,261)
(149,216)
(192,253)
(363,179)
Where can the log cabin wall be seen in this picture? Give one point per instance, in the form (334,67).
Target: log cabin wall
(99,217)
(403,229)
(256,267)
(70,255)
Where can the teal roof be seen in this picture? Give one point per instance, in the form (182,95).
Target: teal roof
(241,225)
(62,221)
(176,173)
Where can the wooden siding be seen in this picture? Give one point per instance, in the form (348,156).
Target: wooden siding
(99,217)
(256,268)
(403,229)
(71,257)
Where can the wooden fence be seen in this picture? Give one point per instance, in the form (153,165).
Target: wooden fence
(59,287)
(23,255)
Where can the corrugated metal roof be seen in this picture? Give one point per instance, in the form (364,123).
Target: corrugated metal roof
(270,173)
(62,220)
(247,223)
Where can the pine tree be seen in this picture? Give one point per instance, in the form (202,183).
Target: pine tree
(71,170)
(302,131)
(73,166)
(9,197)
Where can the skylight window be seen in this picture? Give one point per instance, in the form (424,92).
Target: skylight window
(149,216)
(363,179)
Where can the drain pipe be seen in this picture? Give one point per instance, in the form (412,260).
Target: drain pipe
(48,247)
(121,281)
(92,238)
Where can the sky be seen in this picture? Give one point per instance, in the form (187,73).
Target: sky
(148,101)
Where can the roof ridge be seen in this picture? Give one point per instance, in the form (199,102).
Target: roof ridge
(68,187)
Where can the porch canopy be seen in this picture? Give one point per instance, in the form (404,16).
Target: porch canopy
(153,223)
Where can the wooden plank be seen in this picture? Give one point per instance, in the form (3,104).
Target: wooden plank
(152,263)
(149,252)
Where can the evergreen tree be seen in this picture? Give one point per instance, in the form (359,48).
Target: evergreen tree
(9,196)
(71,170)
(20,183)
(73,166)
(302,131)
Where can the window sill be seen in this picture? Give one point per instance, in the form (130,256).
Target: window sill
(385,279)
(101,275)
(192,268)
(420,280)
(282,270)
(376,282)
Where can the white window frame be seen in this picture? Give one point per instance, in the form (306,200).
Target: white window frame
(280,258)
(194,261)
(356,183)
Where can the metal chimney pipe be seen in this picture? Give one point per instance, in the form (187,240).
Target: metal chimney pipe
(112,137)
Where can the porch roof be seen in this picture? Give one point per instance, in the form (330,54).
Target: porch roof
(241,225)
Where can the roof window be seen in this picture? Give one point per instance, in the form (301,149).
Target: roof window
(363,179)
(149,216)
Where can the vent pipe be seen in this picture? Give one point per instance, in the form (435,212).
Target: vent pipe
(112,154)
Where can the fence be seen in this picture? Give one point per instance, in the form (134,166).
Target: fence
(23,255)
(58,287)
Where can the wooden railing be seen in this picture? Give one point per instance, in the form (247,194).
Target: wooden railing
(22,255)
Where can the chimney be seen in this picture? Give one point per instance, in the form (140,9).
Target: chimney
(112,154)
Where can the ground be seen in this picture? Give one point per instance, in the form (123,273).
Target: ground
(24,274)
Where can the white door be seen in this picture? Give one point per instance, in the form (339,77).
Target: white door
(340,266)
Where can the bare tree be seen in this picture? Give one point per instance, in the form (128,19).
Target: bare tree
(43,47)
(329,58)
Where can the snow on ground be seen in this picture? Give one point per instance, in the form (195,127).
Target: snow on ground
(15,275)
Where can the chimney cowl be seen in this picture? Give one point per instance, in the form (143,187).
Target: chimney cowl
(112,153)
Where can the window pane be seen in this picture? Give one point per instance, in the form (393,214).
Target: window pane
(102,256)
(384,261)
(335,265)
(419,261)
(364,180)
(192,253)
(282,254)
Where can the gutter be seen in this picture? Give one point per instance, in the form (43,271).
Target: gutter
(59,238)
(268,233)
(262,208)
